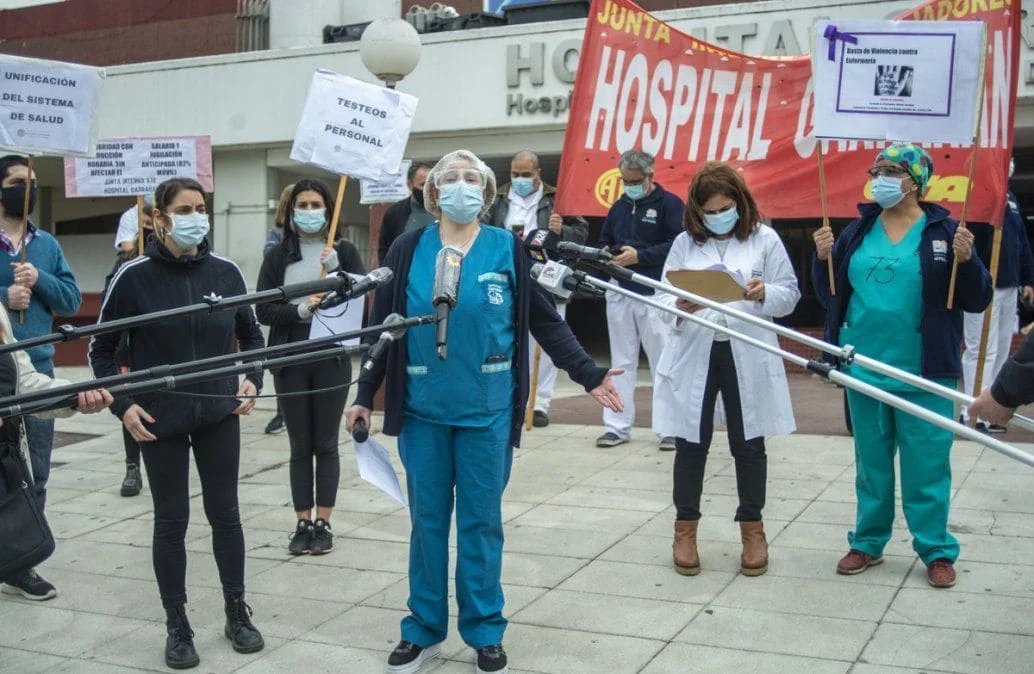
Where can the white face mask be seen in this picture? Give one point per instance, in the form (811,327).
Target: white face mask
(189,230)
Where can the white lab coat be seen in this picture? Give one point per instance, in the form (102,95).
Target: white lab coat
(682,369)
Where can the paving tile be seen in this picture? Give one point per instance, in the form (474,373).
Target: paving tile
(748,629)
(520,568)
(808,564)
(647,582)
(374,628)
(583,543)
(603,614)
(28,662)
(931,648)
(833,537)
(350,588)
(69,525)
(826,598)
(107,502)
(561,517)
(997,549)
(283,616)
(961,610)
(676,657)
(611,497)
(983,578)
(62,631)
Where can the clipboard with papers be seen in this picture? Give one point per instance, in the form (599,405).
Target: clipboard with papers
(717,283)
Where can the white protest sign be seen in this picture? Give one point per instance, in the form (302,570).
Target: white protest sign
(47,106)
(131,166)
(897,80)
(353,128)
(392,190)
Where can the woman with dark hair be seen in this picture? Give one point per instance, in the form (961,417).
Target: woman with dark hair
(893,266)
(723,227)
(178,269)
(313,419)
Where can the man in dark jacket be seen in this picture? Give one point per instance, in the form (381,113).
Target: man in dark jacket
(639,230)
(1015,277)
(1013,387)
(408,214)
(523,206)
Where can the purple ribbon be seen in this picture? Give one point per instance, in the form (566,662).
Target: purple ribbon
(832,34)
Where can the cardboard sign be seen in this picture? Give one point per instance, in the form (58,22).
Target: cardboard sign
(47,107)
(897,80)
(354,128)
(388,192)
(124,167)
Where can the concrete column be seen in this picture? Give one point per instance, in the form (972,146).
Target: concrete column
(241,208)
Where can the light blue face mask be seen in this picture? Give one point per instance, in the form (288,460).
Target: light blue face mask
(722,223)
(189,230)
(310,221)
(461,202)
(523,186)
(635,192)
(887,191)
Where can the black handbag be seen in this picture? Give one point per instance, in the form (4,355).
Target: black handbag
(25,537)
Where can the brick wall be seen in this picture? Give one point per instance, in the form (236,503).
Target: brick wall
(112,32)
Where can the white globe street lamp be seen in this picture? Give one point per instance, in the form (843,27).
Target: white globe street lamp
(390,49)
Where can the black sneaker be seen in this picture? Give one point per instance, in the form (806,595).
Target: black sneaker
(408,657)
(301,539)
(539,419)
(134,482)
(667,444)
(322,539)
(997,429)
(31,586)
(275,425)
(492,659)
(609,439)
(981,427)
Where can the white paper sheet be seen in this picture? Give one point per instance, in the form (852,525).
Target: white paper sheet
(340,319)
(375,467)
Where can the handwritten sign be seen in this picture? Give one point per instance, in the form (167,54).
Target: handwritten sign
(354,128)
(394,189)
(47,106)
(131,166)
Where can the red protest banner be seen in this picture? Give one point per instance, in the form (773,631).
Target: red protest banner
(643,84)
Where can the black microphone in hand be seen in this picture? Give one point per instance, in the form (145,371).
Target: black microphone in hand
(542,245)
(445,293)
(352,289)
(360,433)
(384,342)
(569,249)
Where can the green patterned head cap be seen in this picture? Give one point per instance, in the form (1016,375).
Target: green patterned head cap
(912,158)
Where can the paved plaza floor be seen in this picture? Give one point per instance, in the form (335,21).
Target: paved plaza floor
(587,569)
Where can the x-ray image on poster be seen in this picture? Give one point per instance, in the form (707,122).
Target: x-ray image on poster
(897,80)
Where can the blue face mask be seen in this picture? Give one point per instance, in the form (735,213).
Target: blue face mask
(722,223)
(461,202)
(310,221)
(887,191)
(635,192)
(523,186)
(189,230)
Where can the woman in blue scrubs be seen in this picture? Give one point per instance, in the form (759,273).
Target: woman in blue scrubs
(459,419)
(893,266)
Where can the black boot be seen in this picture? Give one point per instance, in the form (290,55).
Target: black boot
(239,630)
(179,645)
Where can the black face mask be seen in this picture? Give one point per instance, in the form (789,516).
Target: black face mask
(13,199)
(418,196)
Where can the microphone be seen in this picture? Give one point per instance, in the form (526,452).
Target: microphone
(352,289)
(542,245)
(563,281)
(384,342)
(579,252)
(445,293)
(360,433)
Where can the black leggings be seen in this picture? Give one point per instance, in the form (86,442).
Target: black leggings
(132,447)
(749,455)
(217,451)
(313,424)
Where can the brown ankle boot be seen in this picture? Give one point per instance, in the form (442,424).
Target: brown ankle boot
(754,560)
(684,549)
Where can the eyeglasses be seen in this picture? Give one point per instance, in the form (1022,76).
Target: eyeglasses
(469,176)
(888,172)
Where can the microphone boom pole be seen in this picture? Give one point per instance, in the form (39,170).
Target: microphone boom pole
(828,372)
(846,354)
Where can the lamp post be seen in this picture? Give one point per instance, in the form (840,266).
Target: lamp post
(390,49)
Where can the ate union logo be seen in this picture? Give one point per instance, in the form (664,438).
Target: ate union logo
(609,188)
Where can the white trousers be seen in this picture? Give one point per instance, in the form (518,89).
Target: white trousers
(547,371)
(630,323)
(999,339)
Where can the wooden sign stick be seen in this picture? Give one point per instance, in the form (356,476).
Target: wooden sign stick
(139,225)
(25,222)
(978,380)
(825,215)
(333,222)
(529,416)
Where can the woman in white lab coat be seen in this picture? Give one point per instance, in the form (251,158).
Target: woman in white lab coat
(697,363)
